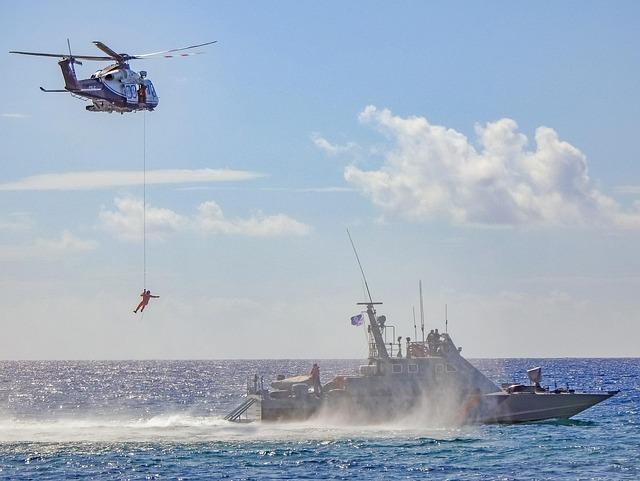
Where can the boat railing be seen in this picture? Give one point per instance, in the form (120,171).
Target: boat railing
(242,410)
(255,384)
(422,349)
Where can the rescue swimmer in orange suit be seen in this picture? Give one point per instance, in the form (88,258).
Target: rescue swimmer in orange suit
(146,295)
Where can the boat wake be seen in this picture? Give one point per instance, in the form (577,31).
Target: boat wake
(183,427)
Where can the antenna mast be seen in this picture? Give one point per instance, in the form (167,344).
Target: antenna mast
(421,310)
(446,320)
(377,348)
(415,328)
(360,265)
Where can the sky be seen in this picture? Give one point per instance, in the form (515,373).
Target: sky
(488,149)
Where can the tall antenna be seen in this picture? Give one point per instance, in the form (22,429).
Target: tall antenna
(377,348)
(446,320)
(421,310)
(364,291)
(360,265)
(415,328)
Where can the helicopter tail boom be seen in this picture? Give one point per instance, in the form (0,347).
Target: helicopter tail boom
(69,74)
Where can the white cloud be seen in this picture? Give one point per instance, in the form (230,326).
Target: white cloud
(14,116)
(16,221)
(434,172)
(41,248)
(116,178)
(211,219)
(627,189)
(325,190)
(332,149)
(316,190)
(125,222)
(66,242)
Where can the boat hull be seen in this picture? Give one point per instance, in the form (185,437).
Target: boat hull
(500,407)
(527,407)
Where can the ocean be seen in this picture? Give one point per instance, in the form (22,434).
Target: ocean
(142,420)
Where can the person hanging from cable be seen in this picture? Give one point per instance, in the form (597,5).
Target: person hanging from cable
(146,295)
(142,93)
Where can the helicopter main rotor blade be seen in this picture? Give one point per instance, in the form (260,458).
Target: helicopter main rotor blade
(188,54)
(119,57)
(62,55)
(112,55)
(40,54)
(145,55)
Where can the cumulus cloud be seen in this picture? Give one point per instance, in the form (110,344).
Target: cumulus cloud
(211,219)
(43,248)
(105,179)
(125,222)
(332,149)
(434,172)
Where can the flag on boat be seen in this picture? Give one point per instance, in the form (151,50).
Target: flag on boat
(357,320)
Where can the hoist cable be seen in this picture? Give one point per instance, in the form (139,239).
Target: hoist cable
(144,199)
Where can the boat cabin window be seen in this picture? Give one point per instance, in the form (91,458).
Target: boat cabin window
(439,368)
(368,370)
(451,368)
(397,368)
(412,368)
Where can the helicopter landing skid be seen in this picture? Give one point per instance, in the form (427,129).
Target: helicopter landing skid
(50,91)
(103,106)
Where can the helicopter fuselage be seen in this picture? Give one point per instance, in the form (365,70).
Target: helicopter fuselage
(116,88)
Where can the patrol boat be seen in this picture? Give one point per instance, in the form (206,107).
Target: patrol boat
(430,378)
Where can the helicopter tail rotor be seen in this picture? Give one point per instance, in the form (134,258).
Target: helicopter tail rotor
(68,70)
(71,57)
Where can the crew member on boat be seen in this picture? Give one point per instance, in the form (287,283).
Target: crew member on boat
(436,341)
(431,342)
(315,379)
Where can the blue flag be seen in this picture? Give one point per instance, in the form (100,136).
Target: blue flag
(357,320)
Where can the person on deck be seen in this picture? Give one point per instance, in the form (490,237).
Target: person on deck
(431,342)
(315,379)
(146,295)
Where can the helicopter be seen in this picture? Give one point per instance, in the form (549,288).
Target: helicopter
(115,88)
